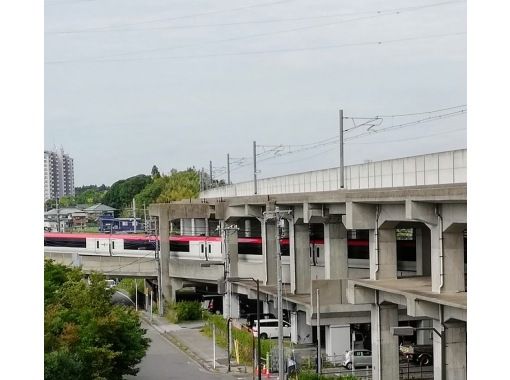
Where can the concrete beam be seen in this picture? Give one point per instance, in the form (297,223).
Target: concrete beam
(314,213)
(359,216)
(397,299)
(358,295)
(391,215)
(181,210)
(454,313)
(420,308)
(421,211)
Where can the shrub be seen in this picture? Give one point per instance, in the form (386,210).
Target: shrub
(311,375)
(184,311)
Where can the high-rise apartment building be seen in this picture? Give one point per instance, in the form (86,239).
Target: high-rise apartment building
(58,175)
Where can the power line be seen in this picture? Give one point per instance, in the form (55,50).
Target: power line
(270,21)
(407,114)
(189,15)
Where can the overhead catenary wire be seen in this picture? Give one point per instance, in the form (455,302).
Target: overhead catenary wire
(115,28)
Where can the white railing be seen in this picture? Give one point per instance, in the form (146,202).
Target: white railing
(429,169)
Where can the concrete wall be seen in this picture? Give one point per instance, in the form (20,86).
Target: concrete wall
(108,265)
(430,169)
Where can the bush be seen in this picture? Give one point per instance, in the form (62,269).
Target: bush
(184,311)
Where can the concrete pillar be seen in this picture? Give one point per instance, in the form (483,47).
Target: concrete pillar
(247,228)
(453,261)
(164,247)
(456,342)
(301,333)
(300,271)
(422,236)
(335,251)
(385,352)
(193,230)
(387,250)
(424,336)
(437,347)
(269,251)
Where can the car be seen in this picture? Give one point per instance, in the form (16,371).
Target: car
(269,328)
(110,284)
(252,318)
(357,358)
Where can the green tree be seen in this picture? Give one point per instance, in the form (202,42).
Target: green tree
(122,192)
(152,191)
(181,185)
(155,172)
(85,336)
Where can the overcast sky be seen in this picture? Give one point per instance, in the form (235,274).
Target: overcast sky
(132,83)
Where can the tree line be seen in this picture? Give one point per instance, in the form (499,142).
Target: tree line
(145,189)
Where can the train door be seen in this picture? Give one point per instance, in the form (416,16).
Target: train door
(197,249)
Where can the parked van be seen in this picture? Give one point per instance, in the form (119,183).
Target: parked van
(357,358)
(269,329)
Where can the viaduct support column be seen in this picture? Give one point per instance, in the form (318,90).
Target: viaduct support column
(385,354)
(269,251)
(422,251)
(447,260)
(335,251)
(164,254)
(456,346)
(383,253)
(300,272)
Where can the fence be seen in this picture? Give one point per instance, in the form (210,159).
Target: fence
(429,169)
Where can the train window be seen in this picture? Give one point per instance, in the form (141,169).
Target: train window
(97,244)
(317,251)
(201,248)
(113,245)
(311,252)
(209,248)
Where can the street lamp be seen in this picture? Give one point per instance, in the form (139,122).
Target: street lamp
(409,331)
(238,279)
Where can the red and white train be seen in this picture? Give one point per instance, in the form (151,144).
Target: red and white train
(210,248)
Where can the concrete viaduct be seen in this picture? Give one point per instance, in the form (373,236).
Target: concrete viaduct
(424,194)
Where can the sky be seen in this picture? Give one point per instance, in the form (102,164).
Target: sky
(130,84)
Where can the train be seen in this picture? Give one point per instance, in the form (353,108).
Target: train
(210,248)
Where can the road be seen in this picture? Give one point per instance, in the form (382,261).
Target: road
(164,362)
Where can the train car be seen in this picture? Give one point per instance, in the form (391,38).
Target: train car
(210,248)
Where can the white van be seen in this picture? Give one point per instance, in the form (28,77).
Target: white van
(269,329)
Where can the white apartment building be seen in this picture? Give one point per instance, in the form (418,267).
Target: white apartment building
(58,174)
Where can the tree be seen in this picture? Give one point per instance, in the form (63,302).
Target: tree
(85,336)
(122,192)
(155,172)
(181,185)
(152,191)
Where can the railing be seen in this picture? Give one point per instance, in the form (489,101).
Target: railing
(429,169)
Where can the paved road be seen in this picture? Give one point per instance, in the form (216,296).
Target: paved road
(164,362)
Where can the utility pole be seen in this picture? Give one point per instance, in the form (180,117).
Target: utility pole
(279,217)
(157,253)
(134,215)
(200,175)
(224,233)
(341,149)
(319,361)
(228,169)
(58,216)
(210,174)
(145,217)
(254,167)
